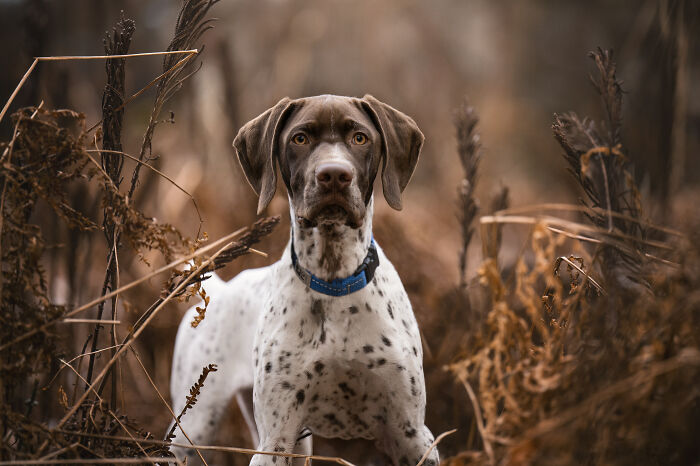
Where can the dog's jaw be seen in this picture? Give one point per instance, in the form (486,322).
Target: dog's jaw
(330,249)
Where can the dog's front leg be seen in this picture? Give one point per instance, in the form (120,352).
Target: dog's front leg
(281,439)
(278,401)
(406,445)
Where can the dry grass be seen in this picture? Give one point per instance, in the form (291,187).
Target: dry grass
(583,351)
(593,365)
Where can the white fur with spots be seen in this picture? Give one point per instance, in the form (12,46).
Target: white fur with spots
(343,367)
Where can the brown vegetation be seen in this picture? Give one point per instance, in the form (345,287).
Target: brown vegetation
(582,349)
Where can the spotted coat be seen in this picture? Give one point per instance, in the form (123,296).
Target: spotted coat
(343,367)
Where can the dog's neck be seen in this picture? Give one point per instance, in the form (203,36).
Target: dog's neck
(335,251)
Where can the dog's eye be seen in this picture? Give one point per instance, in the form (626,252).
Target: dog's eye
(300,139)
(359,139)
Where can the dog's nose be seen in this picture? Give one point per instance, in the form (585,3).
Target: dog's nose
(334,175)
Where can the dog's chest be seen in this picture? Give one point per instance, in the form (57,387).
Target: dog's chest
(375,319)
(344,359)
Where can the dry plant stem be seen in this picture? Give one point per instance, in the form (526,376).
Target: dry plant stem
(80,377)
(83,57)
(547,221)
(138,332)
(479,418)
(152,83)
(81,355)
(580,270)
(113,333)
(246,451)
(155,170)
(91,321)
(538,208)
(126,287)
(99,167)
(116,44)
(58,452)
(125,55)
(19,86)
(129,433)
(607,192)
(154,460)
(432,446)
(172,413)
(469,151)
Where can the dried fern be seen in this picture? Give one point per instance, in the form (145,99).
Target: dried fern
(191,398)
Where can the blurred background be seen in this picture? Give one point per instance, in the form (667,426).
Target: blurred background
(516,62)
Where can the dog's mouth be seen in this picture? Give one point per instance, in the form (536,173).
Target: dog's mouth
(334,212)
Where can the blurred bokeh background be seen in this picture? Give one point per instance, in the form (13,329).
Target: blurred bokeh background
(516,62)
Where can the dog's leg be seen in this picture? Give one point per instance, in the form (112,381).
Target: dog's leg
(304,446)
(406,446)
(279,437)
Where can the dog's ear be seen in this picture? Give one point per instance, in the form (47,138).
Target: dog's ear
(401,145)
(256,147)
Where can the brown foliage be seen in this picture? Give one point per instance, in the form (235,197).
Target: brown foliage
(566,372)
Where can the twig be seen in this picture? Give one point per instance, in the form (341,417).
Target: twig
(153,82)
(126,287)
(479,418)
(126,55)
(154,169)
(83,57)
(469,151)
(152,460)
(167,405)
(91,321)
(102,170)
(80,377)
(129,433)
(547,221)
(58,452)
(81,355)
(138,332)
(259,253)
(579,208)
(19,86)
(246,451)
(561,259)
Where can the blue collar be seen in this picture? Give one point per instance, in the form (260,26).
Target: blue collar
(340,287)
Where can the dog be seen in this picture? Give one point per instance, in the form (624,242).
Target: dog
(325,337)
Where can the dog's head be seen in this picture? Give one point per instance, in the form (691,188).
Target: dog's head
(328,150)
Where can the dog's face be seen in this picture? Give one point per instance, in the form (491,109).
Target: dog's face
(329,149)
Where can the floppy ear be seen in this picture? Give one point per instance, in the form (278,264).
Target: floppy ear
(256,147)
(401,144)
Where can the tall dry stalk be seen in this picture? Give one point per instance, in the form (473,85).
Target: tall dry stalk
(469,152)
(112,164)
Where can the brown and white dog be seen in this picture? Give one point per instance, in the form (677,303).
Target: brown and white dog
(326,336)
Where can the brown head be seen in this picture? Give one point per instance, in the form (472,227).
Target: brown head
(329,150)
